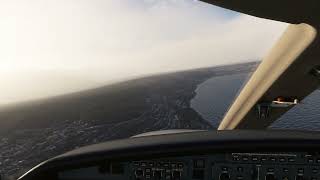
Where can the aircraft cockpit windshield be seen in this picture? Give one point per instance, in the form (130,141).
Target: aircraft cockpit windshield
(75,73)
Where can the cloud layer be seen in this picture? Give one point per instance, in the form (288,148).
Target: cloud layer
(54,47)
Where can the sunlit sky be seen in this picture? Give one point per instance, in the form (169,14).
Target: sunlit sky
(52,47)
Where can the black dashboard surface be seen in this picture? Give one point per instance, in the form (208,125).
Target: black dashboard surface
(194,155)
(224,166)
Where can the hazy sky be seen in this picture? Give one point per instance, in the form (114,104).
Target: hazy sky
(50,47)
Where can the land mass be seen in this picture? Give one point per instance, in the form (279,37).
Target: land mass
(32,132)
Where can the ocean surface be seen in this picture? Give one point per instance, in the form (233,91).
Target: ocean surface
(215,95)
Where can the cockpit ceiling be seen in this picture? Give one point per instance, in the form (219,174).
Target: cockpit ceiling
(290,11)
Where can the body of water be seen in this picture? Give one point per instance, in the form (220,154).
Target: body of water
(215,95)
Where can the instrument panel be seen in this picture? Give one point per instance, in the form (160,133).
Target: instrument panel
(220,166)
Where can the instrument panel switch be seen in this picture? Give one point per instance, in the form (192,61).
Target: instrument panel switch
(224,176)
(199,163)
(176,175)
